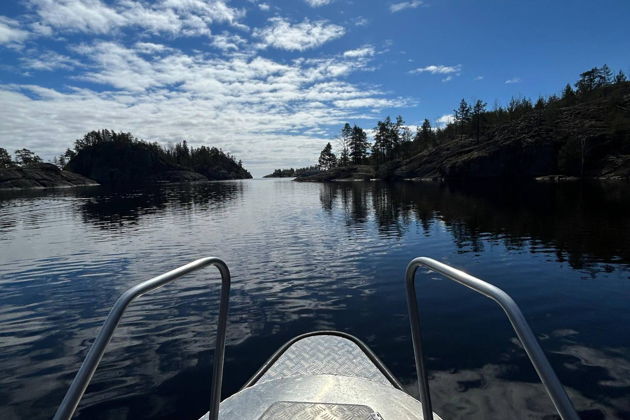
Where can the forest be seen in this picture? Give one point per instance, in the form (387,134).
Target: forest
(474,124)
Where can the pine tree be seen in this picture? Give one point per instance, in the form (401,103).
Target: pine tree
(5,159)
(25,157)
(462,115)
(344,142)
(477,115)
(424,136)
(607,75)
(358,145)
(620,77)
(568,95)
(327,158)
(541,103)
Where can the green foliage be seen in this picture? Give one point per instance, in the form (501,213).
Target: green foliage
(5,159)
(291,173)
(462,115)
(358,145)
(25,157)
(424,138)
(145,159)
(327,158)
(472,120)
(391,139)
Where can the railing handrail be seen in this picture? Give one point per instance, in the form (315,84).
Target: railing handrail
(88,367)
(524,333)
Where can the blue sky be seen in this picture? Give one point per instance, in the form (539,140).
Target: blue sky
(273,81)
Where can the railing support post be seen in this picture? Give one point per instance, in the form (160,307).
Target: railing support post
(524,333)
(95,354)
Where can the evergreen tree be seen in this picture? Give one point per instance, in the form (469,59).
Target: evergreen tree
(344,142)
(568,95)
(25,157)
(607,74)
(541,103)
(327,158)
(477,116)
(620,77)
(387,138)
(358,145)
(462,115)
(593,79)
(5,159)
(424,135)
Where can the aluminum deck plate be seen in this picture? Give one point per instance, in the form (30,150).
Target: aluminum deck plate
(324,355)
(321,377)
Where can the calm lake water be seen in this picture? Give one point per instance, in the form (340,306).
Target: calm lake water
(307,257)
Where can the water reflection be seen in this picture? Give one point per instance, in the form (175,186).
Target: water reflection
(116,209)
(582,223)
(307,257)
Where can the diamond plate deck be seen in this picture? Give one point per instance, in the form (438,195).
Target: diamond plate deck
(316,411)
(324,355)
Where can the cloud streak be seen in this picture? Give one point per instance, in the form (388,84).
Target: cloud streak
(282,34)
(438,69)
(399,7)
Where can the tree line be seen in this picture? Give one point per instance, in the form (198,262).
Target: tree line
(472,120)
(196,158)
(23,158)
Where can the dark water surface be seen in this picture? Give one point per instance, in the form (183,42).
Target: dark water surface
(307,257)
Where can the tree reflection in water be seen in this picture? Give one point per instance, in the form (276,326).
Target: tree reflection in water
(583,223)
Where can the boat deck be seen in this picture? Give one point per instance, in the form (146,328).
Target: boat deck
(322,376)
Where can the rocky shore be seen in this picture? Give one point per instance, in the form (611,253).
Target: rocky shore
(39,176)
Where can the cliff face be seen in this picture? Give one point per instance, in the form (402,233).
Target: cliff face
(588,139)
(42,175)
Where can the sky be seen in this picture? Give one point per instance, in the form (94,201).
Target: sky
(273,81)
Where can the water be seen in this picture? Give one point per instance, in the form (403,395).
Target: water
(314,256)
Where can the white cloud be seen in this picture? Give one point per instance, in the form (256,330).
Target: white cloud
(444,120)
(258,108)
(360,21)
(50,60)
(150,48)
(297,36)
(264,7)
(438,69)
(513,80)
(10,33)
(176,17)
(366,51)
(318,3)
(397,7)
(227,41)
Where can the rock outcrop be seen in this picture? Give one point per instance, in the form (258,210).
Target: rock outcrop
(41,175)
(590,139)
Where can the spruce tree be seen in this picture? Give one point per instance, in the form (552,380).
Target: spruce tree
(327,158)
(358,145)
(5,158)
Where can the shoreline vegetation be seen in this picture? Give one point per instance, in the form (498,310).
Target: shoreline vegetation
(109,158)
(582,133)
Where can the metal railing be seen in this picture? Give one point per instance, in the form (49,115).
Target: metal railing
(84,375)
(524,333)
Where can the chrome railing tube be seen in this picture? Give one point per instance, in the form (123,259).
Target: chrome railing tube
(84,375)
(524,333)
